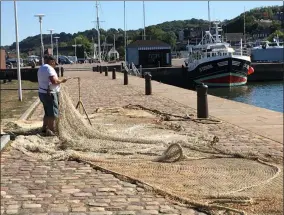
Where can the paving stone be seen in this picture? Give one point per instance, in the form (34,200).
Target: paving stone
(82,194)
(12,211)
(31,205)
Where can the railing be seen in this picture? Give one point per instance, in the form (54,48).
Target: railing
(126,68)
(135,71)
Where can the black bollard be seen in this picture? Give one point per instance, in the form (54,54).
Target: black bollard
(94,69)
(97,68)
(106,71)
(62,71)
(125,77)
(101,71)
(202,103)
(114,73)
(148,86)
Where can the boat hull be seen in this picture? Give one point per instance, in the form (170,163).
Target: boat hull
(224,72)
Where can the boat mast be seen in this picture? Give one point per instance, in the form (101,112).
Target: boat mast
(98,29)
(244,24)
(209,16)
(144,35)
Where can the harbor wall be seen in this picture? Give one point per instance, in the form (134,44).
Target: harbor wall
(267,72)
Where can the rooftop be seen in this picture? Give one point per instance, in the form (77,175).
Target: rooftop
(148,43)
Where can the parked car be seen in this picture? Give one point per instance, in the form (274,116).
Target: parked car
(9,65)
(64,60)
(14,62)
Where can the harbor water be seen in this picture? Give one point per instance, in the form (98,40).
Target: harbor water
(267,95)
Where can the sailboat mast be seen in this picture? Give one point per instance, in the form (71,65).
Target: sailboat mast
(144,35)
(98,29)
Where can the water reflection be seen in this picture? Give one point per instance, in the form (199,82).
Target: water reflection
(262,94)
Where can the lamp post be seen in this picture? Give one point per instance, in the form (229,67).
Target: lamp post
(51,30)
(42,47)
(56,39)
(75,46)
(18,54)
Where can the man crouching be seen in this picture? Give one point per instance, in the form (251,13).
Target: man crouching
(49,87)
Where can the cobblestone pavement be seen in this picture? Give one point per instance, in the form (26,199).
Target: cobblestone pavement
(59,188)
(101,91)
(68,187)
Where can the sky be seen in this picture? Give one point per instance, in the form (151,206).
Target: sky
(74,16)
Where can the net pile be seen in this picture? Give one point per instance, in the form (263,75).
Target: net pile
(163,159)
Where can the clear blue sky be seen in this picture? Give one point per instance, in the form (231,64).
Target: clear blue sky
(74,16)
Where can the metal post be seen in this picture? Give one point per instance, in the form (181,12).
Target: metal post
(18,54)
(114,73)
(125,77)
(98,69)
(106,71)
(148,86)
(62,71)
(202,103)
(140,69)
(56,38)
(51,40)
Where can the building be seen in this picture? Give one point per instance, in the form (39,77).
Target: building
(279,16)
(149,53)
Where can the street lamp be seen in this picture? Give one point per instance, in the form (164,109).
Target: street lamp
(18,54)
(75,46)
(42,48)
(56,39)
(51,30)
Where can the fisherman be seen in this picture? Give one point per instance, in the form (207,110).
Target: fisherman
(49,87)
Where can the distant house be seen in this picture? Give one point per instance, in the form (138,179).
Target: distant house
(261,34)
(149,53)
(181,35)
(279,16)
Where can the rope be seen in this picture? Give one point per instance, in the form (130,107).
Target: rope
(167,116)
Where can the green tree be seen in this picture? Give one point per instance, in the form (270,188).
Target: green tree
(278,33)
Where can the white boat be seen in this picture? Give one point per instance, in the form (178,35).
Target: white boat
(268,52)
(215,63)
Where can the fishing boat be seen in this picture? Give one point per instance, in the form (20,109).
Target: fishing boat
(268,51)
(215,63)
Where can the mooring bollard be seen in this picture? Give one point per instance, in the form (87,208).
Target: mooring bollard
(94,69)
(114,73)
(101,69)
(106,71)
(121,67)
(125,77)
(97,68)
(202,103)
(62,71)
(148,86)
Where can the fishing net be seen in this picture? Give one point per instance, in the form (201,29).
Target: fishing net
(182,166)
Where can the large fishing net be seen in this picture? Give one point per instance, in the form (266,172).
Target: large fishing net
(128,143)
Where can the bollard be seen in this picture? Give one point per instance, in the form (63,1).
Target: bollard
(106,71)
(97,68)
(148,86)
(101,69)
(202,103)
(94,69)
(114,73)
(62,71)
(125,77)
(4,81)
(121,67)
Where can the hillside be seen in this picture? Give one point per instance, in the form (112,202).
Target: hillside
(167,31)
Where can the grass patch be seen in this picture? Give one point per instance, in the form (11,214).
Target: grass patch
(11,107)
